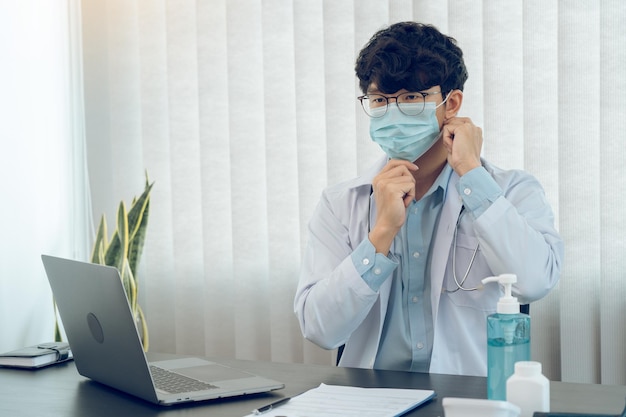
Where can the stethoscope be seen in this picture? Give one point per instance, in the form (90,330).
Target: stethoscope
(459,284)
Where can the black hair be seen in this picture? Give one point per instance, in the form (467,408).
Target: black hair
(411,56)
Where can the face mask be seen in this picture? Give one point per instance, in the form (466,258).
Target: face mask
(406,137)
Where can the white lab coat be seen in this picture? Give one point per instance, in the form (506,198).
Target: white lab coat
(516,233)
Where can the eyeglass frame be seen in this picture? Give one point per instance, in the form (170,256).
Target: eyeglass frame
(422,93)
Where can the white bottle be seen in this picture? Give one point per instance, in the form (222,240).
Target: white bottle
(528,388)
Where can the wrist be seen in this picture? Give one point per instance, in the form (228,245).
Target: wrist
(381,238)
(464,168)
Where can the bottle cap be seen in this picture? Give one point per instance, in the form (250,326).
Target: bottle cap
(507,303)
(528,368)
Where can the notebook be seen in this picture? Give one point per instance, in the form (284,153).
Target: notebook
(106,346)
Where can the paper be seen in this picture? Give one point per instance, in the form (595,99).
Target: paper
(335,400)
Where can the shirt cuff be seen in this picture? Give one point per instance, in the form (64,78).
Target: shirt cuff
(373,267)
(478,190)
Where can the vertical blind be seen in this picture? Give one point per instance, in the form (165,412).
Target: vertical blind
(45,198)
(242,111)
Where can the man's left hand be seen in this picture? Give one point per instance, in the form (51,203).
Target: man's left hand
(463,140)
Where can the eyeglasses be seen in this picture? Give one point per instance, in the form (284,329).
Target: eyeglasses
(411,104)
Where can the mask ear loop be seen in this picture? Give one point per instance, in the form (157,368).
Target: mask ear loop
(444,100)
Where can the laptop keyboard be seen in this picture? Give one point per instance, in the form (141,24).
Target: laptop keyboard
(176,383)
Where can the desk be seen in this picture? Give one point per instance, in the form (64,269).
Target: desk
(61,391)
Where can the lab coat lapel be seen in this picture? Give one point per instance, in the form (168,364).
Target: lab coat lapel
(443,241)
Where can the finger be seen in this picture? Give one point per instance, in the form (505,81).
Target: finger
(397,185)
(457,120)
(409,197)
(399,165)
(397,175)
(447,135)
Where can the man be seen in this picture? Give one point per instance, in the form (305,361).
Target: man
(395,256)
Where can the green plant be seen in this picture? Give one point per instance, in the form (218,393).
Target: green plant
(124,250)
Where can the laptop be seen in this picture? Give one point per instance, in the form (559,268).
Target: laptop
(106,346)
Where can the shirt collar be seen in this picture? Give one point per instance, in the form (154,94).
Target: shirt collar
(439,189)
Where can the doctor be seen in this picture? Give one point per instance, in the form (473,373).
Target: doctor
(395,256)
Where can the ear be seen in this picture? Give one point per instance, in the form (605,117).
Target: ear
(453,105)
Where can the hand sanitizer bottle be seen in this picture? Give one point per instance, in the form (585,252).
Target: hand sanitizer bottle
(508,339)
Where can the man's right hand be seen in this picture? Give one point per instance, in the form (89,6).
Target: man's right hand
(394,190)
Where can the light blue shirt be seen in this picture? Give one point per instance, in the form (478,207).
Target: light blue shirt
(407,336)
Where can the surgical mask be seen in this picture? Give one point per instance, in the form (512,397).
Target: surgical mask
(406,137)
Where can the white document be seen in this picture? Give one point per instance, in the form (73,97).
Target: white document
(341,401)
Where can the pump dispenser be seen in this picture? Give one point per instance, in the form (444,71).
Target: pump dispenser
(508,338)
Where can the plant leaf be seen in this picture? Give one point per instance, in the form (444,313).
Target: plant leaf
(113,254)
(100,257)
(57,328)
(145,339)
(118,248)
(135,248)
(128,279)
(122,230)
(138,223)
(137,210)
(100,243)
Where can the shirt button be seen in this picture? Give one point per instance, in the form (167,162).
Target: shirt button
(420,346)
(416,254)
(415,299)
(467,191)
(366,261)
(377,271)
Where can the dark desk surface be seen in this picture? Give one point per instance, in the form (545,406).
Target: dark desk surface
(61,391)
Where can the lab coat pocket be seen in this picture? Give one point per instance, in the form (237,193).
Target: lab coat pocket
(465,270)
